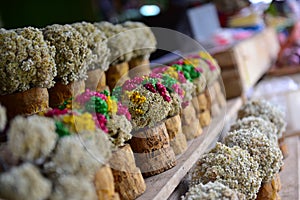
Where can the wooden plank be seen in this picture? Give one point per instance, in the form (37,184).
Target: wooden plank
(253,60)
(290,175)
(162,185)
(292,134)
(255,56)
(225,59)
(232,83)
(283,71)
(181,189)
(271,42)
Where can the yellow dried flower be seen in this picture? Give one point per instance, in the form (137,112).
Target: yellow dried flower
(192,61)
(172,72)
(68,119)
(207,56)
(112,105)
(139,111)
(79,123)
(136,98)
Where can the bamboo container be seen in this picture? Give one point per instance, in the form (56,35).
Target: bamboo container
(191,127)
(200,104)
(221,99)
(215,108)
(283,147)
(269,191)
(28,102)
(104,184)
(60,92)
(139,65)
(204,118)
(177,138)
(115,73)
(96,80)
(128,179)
(152,150)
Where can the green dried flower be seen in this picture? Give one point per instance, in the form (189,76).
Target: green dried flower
(263,151)
(120,42)
(26,60)
(72,54)
(97,43)
(233,167)
(144,39)
(98,105)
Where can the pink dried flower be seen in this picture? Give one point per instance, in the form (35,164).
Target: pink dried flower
(137,80)
(131,84)
(184,104)
(56,112)
(155,75)
(177,89)
(159,70)
(100,121)
(199,69)
(123,110)
(178,62)
(128,86)
(181,77)
(150,87)
(86,96)
(167,98)
(162,91)
(211,66)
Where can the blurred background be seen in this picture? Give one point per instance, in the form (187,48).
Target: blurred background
(222,24)
(162,13)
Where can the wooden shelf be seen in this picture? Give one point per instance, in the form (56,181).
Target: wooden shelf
(162,185)
(290,174)
(283,71)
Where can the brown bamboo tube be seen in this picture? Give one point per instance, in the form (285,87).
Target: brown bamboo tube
(128,179)
(152,151)
(28,102)
(60,92)
(269,191)
(204,118)
(96,78)
(104,184)
(115,73)
(177,138)
(191,127)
